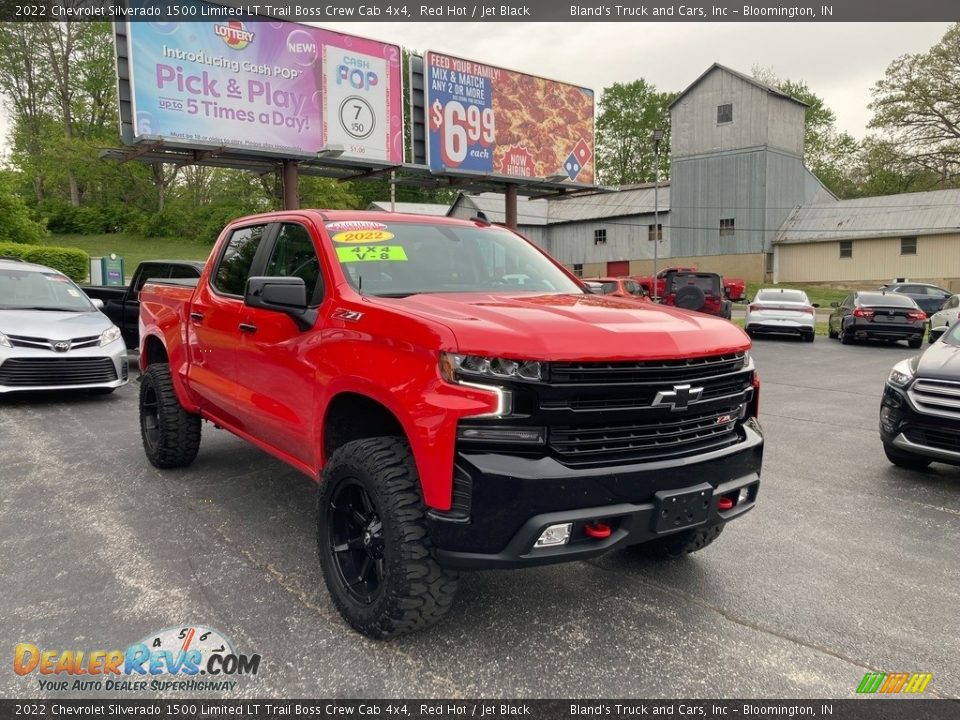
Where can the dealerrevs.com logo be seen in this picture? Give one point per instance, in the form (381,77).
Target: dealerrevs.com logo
(187,658)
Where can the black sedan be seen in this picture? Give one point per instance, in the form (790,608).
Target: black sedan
(920,411)
(928,297)
(878,316)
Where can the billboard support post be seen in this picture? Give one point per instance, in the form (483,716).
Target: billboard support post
(291,185)
(510,209)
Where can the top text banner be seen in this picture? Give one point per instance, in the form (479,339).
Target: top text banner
(511,10)
(267,85)
(489,120)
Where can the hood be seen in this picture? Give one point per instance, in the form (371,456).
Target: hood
(53,325)
(573,327)
(940,361)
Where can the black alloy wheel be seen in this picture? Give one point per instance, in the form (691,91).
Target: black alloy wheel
(356,541)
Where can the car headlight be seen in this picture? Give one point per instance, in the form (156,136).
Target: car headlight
(5,341)
(453,367)
(901,375)
(111,334)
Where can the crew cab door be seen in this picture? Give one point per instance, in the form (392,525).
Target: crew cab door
(277,359)
(214,319)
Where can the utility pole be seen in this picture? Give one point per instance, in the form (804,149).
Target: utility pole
(657,137)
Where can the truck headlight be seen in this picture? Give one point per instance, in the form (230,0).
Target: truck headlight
(111,334)
(453,365)
(5,341)
(901,375)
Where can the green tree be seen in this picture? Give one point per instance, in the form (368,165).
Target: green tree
(917,104)
(16,225)
(628,114)
(829,153)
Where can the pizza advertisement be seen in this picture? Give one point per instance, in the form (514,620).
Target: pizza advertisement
(484,119)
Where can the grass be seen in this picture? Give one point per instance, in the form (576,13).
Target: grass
(134,249)
(818,294)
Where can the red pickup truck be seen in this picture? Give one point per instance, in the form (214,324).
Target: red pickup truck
(453,419)
(735,288)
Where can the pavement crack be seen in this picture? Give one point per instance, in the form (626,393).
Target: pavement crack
(757,627)
(768,383)
(819,422)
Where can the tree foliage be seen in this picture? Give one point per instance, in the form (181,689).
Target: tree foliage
(627,115)
(917,104)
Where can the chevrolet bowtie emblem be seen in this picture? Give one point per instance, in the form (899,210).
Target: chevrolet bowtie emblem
(678,398)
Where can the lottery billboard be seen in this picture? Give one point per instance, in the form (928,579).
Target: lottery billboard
(264,85)
(486,119)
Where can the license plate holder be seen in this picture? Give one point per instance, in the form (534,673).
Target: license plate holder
(679,509)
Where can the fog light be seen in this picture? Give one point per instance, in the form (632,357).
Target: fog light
(744,495)
(555,535)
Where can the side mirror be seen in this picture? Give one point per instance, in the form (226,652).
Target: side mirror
(833,304)
(97,303)
(816,305)
(281,294)
(726,292)
(594,287)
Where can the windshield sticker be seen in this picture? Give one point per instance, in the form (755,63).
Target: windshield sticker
(371,253)
(72,293)
(355,225)
(364,236)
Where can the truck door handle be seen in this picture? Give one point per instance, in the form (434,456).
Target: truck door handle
(196,316)
(247,328)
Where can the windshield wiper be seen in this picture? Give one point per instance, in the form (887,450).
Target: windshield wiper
(43,308)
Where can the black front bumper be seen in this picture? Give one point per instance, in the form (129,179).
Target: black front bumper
(506,501)
(905,428)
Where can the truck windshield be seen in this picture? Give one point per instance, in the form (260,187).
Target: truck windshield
(36,290)
(399,258)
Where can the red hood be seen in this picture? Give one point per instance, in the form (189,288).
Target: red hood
(573,327)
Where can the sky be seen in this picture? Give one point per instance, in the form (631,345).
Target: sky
(839,61)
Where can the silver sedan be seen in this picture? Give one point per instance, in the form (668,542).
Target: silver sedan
(52,336)
(780,310)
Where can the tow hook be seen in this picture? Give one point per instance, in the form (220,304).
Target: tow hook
(598,530)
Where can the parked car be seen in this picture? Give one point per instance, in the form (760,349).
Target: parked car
(781,310)
(735,288)
(452,421)
(928,297)
(877,316)
(52,336)
(943,318)
(698,291)
(920,410)
(122,304)
(619,287)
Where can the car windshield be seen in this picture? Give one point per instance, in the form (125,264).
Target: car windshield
(794,296)
(708,283)
(38,290)
(886,299)
(397,259)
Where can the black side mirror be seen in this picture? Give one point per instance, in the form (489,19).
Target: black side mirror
(816,305)
(281,294)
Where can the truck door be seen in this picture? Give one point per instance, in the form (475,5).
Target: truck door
(278,361)
(214,320)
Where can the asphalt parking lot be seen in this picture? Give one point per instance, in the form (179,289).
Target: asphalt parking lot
(847,565)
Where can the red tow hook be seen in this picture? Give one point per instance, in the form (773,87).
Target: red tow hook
(598,530)
(725,504)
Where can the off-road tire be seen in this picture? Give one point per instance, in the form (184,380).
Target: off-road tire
(170,434)
(415,591)
(679,544)
(904,459)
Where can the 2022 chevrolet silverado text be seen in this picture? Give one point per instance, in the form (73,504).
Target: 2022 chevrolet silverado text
(453,419)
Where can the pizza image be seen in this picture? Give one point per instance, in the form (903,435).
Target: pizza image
(547,122)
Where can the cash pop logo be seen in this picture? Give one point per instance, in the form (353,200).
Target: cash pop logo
(182,652)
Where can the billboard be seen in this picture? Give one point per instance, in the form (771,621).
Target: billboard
(264,85)
(494,121)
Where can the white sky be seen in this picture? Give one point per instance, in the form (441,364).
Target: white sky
(839,61)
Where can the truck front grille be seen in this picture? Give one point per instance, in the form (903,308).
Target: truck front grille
(657,371)
(54,372)
(936,397)
(645,442)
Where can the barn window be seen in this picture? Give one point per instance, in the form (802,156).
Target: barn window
(846,248)
(724,113)
(908,246)
(578,269)
(600,236)
(727,227)
(655,234)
